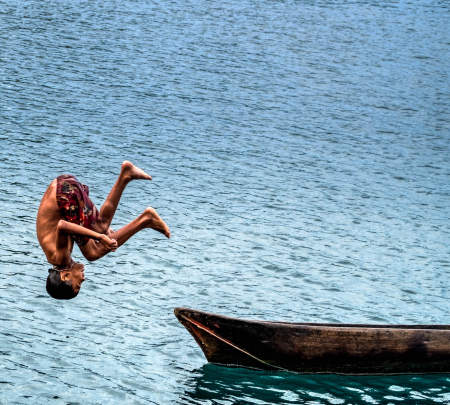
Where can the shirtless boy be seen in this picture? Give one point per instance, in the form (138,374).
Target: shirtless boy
(67,215)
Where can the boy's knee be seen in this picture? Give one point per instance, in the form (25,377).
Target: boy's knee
(90,251)
(91,256)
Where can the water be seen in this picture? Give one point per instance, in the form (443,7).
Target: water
(299,152)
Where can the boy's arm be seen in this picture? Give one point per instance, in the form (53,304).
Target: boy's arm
(74,229)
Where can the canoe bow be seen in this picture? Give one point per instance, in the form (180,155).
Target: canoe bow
(201,333)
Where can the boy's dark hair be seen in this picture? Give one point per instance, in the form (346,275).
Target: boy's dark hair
(57,288)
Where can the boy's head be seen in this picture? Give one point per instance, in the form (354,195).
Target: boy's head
(65,283)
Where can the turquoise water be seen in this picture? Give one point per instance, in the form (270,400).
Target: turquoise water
(299,152)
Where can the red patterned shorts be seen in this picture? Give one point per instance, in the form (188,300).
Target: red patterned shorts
(75,205)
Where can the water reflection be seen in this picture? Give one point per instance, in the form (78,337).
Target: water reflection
(222,385)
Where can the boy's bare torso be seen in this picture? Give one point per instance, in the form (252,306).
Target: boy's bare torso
(46,227)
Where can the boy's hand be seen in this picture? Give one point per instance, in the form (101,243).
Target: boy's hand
(110,244)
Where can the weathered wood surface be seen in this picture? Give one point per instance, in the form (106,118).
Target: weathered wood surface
(319,348)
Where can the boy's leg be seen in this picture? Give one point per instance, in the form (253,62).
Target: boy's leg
(148,219)
(128,172)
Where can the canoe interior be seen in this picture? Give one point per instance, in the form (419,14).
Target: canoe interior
(320,347)
(357,326)
(188,311)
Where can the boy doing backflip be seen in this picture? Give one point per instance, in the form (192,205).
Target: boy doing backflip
(67,215)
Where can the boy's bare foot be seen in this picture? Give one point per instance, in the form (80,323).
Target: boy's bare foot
(133,172)
(154,221)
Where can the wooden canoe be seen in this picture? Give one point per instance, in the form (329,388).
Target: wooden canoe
(319,348)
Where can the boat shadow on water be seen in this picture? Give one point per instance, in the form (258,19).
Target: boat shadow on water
(224,385)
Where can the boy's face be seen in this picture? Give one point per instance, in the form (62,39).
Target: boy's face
(75,276)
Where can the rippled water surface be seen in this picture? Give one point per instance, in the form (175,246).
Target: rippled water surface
(299,152)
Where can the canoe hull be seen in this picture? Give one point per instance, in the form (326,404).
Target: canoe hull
(319,348)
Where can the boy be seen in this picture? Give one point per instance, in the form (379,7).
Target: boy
(67,215)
